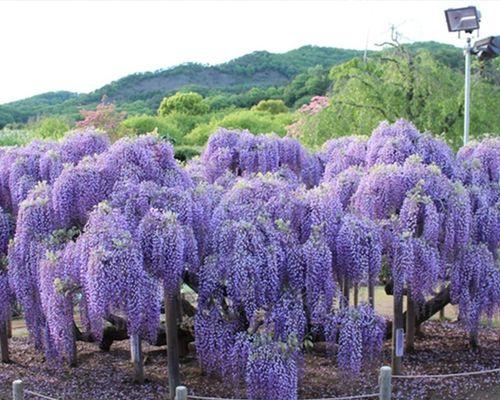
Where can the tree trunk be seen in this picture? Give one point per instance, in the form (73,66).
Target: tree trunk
(431,307)
(172,344)
(136,355)
(398,323)
(410,323)
(356,295)
(4,342)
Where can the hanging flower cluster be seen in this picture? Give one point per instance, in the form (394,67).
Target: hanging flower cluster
(359,333)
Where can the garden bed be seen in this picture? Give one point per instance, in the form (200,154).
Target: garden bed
(443,349)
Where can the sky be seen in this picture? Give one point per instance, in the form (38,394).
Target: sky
(82,45)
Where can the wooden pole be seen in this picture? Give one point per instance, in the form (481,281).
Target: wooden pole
(385,383)
(172,344)
(178,307)
(136,353)
(73,360)
(4,342)
(17,390)
(410,323)
(371,294)
(397,333)
(9,327)
(347,287)
(356,295)
(473,341)
(181,393)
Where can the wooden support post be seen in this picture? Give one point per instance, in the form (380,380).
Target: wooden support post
(371,294)
(136,354)
(397,333)
(73,361)
(474,343)
(178,307)
(4,342)
(17,390)
(347,287)
(356,295)
(385,383)
(9,328)
(410,323)
(172,344)
(181,393)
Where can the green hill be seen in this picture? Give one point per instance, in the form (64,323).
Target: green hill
(240,82)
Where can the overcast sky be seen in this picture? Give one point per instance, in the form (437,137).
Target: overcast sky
(82,45)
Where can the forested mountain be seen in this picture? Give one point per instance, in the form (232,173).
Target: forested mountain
(240,82)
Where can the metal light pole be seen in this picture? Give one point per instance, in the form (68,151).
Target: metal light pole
(468,51)
(464,19)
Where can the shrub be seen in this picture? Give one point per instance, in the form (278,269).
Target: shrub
(184,153)
(51,127)
(185,103)
(254,121)
(271,106)
(15,137)
(142,124)
(104,117)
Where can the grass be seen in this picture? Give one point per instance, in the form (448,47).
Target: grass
(383,306)
(16,137)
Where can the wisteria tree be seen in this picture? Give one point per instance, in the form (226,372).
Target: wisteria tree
(272,238)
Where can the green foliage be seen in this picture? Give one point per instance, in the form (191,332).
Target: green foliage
(311,83)
(401,84)
(142,124)
(6,117)
(50,127)
(184,153)
(254,121)
(16,137)
(271,106)
(190,103)
(137,107)
(290,63)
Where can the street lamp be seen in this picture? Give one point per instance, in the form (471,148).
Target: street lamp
(464,19)
(487,48)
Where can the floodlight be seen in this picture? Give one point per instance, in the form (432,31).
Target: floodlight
(462,19)
(487,48)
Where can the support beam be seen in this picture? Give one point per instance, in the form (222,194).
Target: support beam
(172,344)
(346,289)
(410,323)
(371,294)
(4,342)
(397,324)
(136,356)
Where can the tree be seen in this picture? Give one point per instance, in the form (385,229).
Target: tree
(104,117)
(184,103)
(399,83)
(312,82)
(271,106)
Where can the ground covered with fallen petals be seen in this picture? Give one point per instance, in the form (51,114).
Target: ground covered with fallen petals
(442,349)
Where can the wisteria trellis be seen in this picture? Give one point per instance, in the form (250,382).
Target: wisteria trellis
(269,230)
